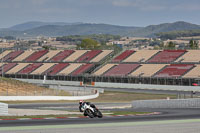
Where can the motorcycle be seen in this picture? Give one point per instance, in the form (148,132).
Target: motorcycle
(91,111)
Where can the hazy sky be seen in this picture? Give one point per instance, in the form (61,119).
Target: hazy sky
(118,12)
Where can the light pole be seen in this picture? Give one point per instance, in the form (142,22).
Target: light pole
(2,62)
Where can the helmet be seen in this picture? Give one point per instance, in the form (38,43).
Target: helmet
(81,101)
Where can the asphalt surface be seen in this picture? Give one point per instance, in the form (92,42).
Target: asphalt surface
(176,126)
(166,114)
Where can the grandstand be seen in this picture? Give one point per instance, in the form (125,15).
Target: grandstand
(61,56)
(42,69)
(141,56)
(192,56)
(166,56)
(10,56)
(121,70)
(30,68)
(123,56)
(77,54)
(89,55)
(56,68)
(147,70)
(129,66)
(194,73)
(23,56)
(48,56)
(174,70)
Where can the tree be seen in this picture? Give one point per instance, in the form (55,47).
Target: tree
(193,44)
(171,45)
(88,44)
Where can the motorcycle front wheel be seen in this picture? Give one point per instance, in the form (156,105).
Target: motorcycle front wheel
(99,114)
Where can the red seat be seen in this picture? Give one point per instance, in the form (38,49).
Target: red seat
(82,69)
(174,70)
(56,68)
(166,56)
(30,68)
(121,70)
(123,56)
(89,55)
(7,67)
(62,55)
(36,55)
(12,55)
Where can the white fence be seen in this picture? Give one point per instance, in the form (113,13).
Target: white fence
(3,109)
(47,98)
(164,103)
(119,85)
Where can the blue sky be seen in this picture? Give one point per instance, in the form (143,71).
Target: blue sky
(117,12)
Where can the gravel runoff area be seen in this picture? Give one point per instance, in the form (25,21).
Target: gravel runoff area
(28,112)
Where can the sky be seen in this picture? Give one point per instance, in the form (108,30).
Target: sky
(116,12)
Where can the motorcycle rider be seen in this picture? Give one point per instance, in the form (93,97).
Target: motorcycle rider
(82,103)
(82,108)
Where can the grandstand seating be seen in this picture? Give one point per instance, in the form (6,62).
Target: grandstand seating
(56,68)
(69,69)
(17,68)
(12,55)
(141,56)
(36,55)
(6,67)
(4,53)
(166,56)
(49,55)
(123,56)
(174,70)
(147,70)
(194,73)
(1,64)
(89,55)
(23,56)
(190,56)
(103,69)
(30,68)
(62,55)
(101,56)
(82,69)
(121,70)
(75,55)
(43,68)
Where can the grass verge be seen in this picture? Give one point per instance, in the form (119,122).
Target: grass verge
(109,97)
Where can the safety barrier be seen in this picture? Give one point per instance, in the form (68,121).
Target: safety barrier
(3,109)
(170,103)
(47,98)
(120,85)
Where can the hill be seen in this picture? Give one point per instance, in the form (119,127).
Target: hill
(35,24)
(175,34)
(66,29)
(80,29)
(150,31)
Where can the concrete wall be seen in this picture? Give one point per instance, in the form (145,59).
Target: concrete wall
(172,103)
(3,109)
(118,85)
(47,98)
(148,86)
